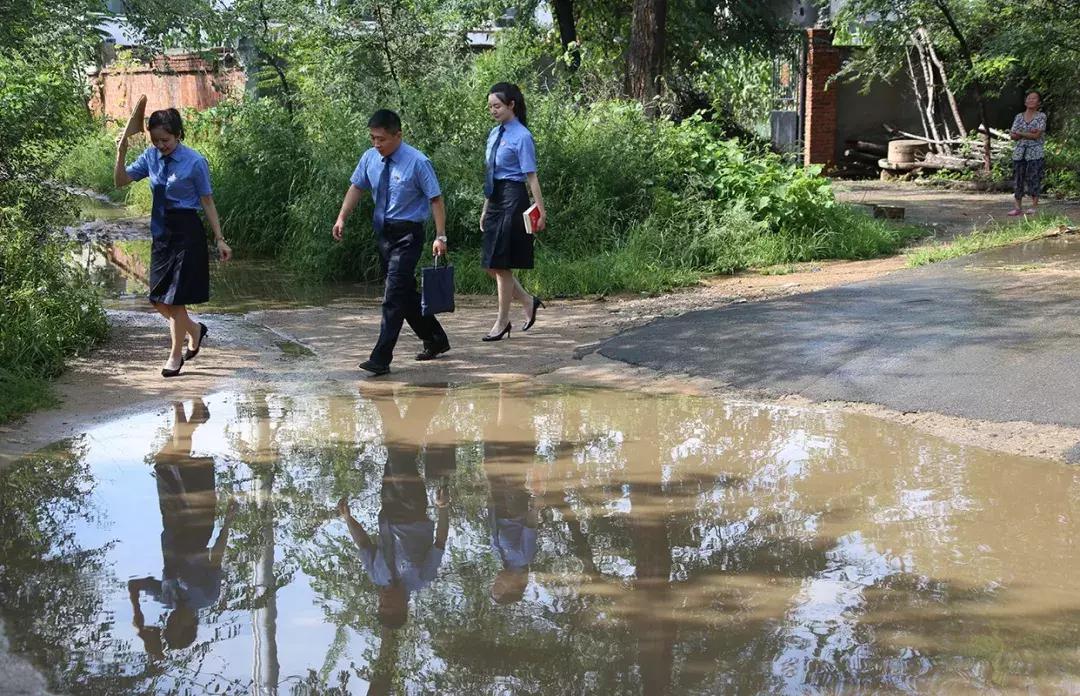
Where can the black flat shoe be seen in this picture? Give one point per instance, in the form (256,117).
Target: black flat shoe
(433,351)
(172,373)
(505,333)
(538,304)
(374,368)
(189,353)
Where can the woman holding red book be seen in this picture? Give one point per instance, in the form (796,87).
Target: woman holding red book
(510,177)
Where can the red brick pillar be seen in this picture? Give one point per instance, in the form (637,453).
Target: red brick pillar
(819,133)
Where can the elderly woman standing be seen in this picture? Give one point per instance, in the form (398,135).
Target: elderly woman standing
(1027,130)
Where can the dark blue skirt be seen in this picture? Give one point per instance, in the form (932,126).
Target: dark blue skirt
(180,260)
(506,243)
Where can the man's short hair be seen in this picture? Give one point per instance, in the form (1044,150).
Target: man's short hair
(386,119)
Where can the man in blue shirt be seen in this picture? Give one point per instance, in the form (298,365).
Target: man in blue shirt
(405,555)
(406,192)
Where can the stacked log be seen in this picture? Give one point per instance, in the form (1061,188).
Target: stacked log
(860,159)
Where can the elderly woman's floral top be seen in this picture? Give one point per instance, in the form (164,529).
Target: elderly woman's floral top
(1029,149)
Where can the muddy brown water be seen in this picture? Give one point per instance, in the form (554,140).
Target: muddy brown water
(237,287)
(644,544)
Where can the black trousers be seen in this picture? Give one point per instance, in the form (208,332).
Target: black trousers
(400,245)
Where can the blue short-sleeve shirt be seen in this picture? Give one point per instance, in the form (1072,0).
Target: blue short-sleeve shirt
(516,158)
(513,540)
(412,182)
(187,179)
(407,546)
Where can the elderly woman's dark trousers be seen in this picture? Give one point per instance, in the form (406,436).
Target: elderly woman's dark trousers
(400,245)
(1028,177)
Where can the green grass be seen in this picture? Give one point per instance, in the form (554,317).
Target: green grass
(24,393)
(998,235)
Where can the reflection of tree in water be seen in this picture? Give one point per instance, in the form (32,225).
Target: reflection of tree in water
(48,585)
(55,592)
(683,546)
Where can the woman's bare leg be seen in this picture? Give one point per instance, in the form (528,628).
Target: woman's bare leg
(176,335)
(163,309)
(189,325)
(504,278)
(524,298)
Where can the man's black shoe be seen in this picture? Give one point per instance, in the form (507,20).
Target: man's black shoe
(374,368)
(433,350)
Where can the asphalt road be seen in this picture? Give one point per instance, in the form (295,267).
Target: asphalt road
(995,336)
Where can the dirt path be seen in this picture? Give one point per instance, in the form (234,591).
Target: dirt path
(122,377)
(946,212)
(298,348)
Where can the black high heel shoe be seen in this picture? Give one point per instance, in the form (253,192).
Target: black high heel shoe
(189,353)
(538,304)
(499,336)
(173,373)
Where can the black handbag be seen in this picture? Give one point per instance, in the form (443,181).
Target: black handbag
(437,289)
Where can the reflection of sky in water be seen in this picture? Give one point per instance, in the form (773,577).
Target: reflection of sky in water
(821,630)
(126,495)
(730,548)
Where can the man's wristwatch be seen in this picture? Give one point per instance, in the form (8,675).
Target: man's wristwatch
(441,238)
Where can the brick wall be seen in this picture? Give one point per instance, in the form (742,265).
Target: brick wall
(180,81)
(822,62)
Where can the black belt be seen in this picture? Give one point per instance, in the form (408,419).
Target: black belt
(400,223)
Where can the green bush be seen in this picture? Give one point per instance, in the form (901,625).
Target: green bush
(47,314)
(633,203)
(88,163)
(1063,167)
(261,160)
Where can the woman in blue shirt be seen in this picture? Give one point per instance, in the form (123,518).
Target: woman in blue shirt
(179,261)
(511,164)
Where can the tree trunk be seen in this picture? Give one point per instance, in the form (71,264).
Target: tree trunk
(645,62)
(917,89)
(931,94)
(944,81)
(564,17)
(976,84)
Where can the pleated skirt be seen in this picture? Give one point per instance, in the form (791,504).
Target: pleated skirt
(180,261)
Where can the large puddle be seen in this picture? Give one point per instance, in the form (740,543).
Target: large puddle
(248,285)
(591,542)
(242,285)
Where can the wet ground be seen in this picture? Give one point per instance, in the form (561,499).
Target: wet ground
(644,544)
(990,337)
(185,536)
(945,212)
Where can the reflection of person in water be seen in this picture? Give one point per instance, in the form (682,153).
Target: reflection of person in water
(191,578)
(513,512)
(405,555)
(513,518)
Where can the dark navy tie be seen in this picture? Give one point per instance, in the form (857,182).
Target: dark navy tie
(489,180)
(382,196)
(157,208)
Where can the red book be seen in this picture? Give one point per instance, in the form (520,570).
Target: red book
(532,218)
